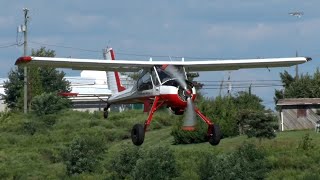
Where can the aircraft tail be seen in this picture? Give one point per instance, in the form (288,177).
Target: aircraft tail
(115,76)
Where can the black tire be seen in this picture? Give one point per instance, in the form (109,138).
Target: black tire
(105,114)
(137,134)
(215,138)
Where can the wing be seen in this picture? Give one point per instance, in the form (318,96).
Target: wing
(133,65)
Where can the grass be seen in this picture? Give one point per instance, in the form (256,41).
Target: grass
(38,156)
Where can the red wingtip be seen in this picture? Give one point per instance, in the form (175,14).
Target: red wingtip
(23,60)
(188,128)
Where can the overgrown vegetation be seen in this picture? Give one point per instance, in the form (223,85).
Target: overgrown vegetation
(236,115)
(49,103)
(246,162)
(83,145)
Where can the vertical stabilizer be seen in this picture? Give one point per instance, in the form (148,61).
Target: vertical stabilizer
(114,81)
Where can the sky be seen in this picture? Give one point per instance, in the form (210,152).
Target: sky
(206,29)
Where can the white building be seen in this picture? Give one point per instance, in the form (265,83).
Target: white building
(89,91)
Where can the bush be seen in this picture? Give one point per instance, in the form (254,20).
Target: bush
(124,161)
(48,103)
(29,127)
(181,136)
(156,163)
(247,162)
(306,143)
(83,154)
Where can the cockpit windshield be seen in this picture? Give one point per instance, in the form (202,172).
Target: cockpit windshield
(165,76)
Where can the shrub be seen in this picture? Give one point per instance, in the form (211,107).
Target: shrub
(156,163)
(306,143)
(48,103)
(124,161)
(247,162)
(83,154)
(181,136)
(29,127)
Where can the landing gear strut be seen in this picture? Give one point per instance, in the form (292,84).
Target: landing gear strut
(214,133)
(138,130)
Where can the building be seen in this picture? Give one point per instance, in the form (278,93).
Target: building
(89,91)
(298,113)
(2,104)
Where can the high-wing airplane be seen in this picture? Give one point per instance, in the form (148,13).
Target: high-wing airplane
(160,83)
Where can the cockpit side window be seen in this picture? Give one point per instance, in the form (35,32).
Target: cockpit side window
(145,82)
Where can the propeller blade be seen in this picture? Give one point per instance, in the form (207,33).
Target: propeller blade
(190,116)
(174,72)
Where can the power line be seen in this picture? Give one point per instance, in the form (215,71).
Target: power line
(67,47)
(9,45)
(129,54)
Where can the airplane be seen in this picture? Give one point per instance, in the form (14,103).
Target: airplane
(160,84)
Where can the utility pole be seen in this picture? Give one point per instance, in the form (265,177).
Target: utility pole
(25,48)
(297,14)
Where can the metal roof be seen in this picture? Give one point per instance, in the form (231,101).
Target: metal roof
(298,101)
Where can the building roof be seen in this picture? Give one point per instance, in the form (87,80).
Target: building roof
(298,101)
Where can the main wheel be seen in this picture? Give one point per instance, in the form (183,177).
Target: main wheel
(137,134)
(216,135)
(105,114)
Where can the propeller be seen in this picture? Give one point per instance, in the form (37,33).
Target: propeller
(189,120)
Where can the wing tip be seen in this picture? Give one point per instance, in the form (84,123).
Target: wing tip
(308,58)
(23,60)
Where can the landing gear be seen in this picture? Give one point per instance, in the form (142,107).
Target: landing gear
(105,114)
(105,111)
(215,135)
(137,134)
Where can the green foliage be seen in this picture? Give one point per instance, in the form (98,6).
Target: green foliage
(49,103)
(306,86)
(82,154)
(181,136)
(306,143)
(41,80)
(13,87)
(157,162)
(124,161)
(247,162)
(231,113)
(260,125)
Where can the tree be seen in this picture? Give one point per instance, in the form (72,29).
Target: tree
(306,86)
(260,125)
(41,79)
(247,103)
